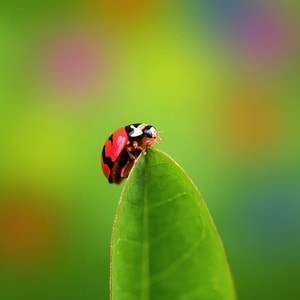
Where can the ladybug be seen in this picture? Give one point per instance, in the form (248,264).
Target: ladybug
(122,149)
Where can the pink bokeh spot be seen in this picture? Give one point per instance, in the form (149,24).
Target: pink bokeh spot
(73,62)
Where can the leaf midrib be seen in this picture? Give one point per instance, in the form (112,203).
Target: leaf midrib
(145,295)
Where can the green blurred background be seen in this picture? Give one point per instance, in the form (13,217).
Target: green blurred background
(219,79)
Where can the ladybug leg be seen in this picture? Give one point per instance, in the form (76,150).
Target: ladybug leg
(134,150)
(114,176)
(127,168)
(130,149)
(136,145)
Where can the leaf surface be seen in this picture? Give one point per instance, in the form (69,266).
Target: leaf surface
(165,244)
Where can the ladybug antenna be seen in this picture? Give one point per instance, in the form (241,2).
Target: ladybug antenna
(158,133)
(158,137)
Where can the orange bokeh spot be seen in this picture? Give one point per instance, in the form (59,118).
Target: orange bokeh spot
(128,5)
(27,232)
(128,11)
(123,15)
(249,120)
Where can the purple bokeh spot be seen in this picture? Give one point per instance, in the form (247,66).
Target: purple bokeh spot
(263,37)
(257,34)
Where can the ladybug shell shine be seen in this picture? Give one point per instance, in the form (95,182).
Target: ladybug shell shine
(123,147)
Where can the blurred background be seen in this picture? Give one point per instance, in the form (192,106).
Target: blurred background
(218,78)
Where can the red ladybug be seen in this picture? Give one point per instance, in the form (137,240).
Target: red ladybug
(123,147)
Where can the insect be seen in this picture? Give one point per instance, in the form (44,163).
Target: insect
(123,147)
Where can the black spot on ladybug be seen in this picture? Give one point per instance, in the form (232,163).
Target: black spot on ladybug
(119,169)
(107,160)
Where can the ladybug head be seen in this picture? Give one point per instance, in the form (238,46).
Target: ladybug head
(150,132)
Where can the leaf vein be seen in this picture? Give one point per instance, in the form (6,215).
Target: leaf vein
(168,200)
(176,263)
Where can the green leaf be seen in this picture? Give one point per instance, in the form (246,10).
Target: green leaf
(165,244)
